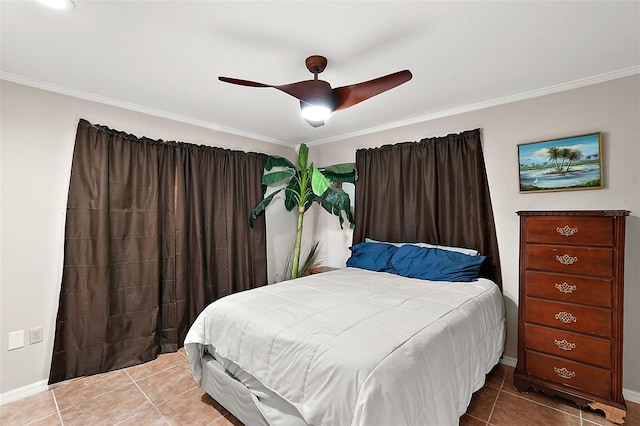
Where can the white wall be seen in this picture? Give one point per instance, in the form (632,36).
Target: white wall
(37,135)
(612,108)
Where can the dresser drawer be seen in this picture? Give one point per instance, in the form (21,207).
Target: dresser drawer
(579,260)
(566,316)
(578,347)
(570,230)
(594,380)
(570,288)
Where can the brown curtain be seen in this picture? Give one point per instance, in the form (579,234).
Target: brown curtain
(432,191)
(154,232)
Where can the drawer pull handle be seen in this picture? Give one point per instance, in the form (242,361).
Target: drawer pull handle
(565,317)
(565,259)
(566,288)
(564,345)
(564,373)
(567,231)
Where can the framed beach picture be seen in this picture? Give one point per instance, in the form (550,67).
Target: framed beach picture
(561,164)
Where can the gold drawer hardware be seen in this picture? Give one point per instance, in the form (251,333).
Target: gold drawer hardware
(565,259)
(565,317)
(564,373)
(566,288)
(564,345)
(567,231)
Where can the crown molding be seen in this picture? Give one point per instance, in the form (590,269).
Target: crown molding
(576,84)
(38,84)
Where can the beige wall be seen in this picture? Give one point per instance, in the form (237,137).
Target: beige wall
(38,130)
(612,108)
(38,133)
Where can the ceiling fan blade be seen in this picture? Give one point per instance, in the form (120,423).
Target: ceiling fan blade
(243,82)
(308,91)
(347,96)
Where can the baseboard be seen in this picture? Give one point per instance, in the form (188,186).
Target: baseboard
(507,360)
(23,392)
(629,395)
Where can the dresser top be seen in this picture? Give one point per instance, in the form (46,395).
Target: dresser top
(603,213)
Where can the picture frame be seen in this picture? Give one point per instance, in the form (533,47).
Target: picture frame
(564,164)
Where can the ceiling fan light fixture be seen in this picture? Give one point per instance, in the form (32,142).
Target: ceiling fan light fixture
(315,112)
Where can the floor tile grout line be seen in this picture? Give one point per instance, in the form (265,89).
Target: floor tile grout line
(519,395)
(139,388)
(154,374)
(176,396)
(153,405)
(493,407)
(184,354)
(216,419)
(133,381)
(46,415)
(97,396)
(55,401)
(166,400)
(474,417)
(540,403)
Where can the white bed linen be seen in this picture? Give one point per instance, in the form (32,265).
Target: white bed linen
(356,347)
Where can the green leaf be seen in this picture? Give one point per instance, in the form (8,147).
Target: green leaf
(303,156)
(348,178)
(342,168)
(345,172)
(310,200)
(336,201)
(319,182)
(277,177)
(260,207)
(292,191)
(274,161)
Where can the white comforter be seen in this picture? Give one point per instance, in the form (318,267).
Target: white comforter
(355,347)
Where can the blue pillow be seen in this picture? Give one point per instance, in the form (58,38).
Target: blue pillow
(371,256)
(435,264)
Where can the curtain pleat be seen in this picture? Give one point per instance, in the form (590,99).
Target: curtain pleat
(155,231)
(434,191)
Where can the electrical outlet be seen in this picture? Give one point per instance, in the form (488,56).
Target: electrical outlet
(35,335)
(16,340)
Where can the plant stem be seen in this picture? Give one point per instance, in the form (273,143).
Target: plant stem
(296,253)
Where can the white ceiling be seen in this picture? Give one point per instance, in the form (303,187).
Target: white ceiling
(164,57)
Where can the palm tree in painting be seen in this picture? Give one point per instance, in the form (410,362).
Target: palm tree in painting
(574,155)
(554,154)
(564,154)
(567,155)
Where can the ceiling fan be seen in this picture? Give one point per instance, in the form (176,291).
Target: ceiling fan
(318,100)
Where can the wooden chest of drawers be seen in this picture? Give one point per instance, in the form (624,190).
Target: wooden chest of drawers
(570,307)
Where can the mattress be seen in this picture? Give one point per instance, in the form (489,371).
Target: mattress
(229,385)
(231,393)
(355,347)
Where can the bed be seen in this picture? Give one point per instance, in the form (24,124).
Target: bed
(353,346)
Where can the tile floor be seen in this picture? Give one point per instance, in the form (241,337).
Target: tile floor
(162,392)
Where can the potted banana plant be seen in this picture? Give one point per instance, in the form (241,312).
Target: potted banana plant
(307,184)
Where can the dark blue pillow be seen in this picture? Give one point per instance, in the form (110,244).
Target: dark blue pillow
(435,264)
(371,256)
